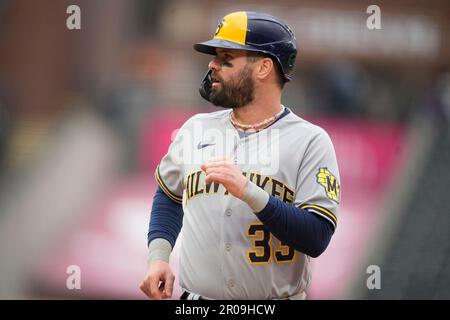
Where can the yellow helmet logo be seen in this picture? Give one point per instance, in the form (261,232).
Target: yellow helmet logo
(220,25)
(233,28)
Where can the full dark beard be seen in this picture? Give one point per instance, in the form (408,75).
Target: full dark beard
(237,93)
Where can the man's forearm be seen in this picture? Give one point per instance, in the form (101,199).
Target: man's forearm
(304,231)
(166,219)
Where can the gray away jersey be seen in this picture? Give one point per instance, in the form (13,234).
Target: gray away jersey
(226,252)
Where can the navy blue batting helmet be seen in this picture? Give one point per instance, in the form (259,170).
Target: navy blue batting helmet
(254,31)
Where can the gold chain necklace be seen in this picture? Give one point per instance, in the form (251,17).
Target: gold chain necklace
(256,126)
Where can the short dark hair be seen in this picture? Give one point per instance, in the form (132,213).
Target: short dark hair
(253,56)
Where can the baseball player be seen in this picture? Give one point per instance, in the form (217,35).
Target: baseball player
(253,187)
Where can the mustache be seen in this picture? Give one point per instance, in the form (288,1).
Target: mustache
(217,77)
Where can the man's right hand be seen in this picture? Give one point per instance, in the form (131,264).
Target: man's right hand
(158,282)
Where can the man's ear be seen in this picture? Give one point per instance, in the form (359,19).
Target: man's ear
(265,66)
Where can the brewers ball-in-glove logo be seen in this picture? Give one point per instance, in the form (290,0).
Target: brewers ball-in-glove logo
(219,26)
(326,179)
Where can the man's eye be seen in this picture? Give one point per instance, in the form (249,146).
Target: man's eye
(227,63)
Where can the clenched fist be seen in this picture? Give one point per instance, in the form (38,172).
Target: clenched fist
(223,171)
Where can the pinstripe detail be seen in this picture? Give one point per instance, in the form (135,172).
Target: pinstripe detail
(321,212)
(170,194)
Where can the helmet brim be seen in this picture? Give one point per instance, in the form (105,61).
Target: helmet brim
(210,46)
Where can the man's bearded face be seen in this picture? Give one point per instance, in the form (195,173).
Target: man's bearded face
(237,92)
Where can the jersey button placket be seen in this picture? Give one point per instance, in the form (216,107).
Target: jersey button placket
(229,212)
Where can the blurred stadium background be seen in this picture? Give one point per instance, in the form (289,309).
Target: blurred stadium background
(85,116)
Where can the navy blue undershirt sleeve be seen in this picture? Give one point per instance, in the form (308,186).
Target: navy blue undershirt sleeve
(300,229)
(166,218)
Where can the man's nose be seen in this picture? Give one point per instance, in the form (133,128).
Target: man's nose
(214,64)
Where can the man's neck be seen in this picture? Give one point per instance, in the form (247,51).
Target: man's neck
(258,110)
